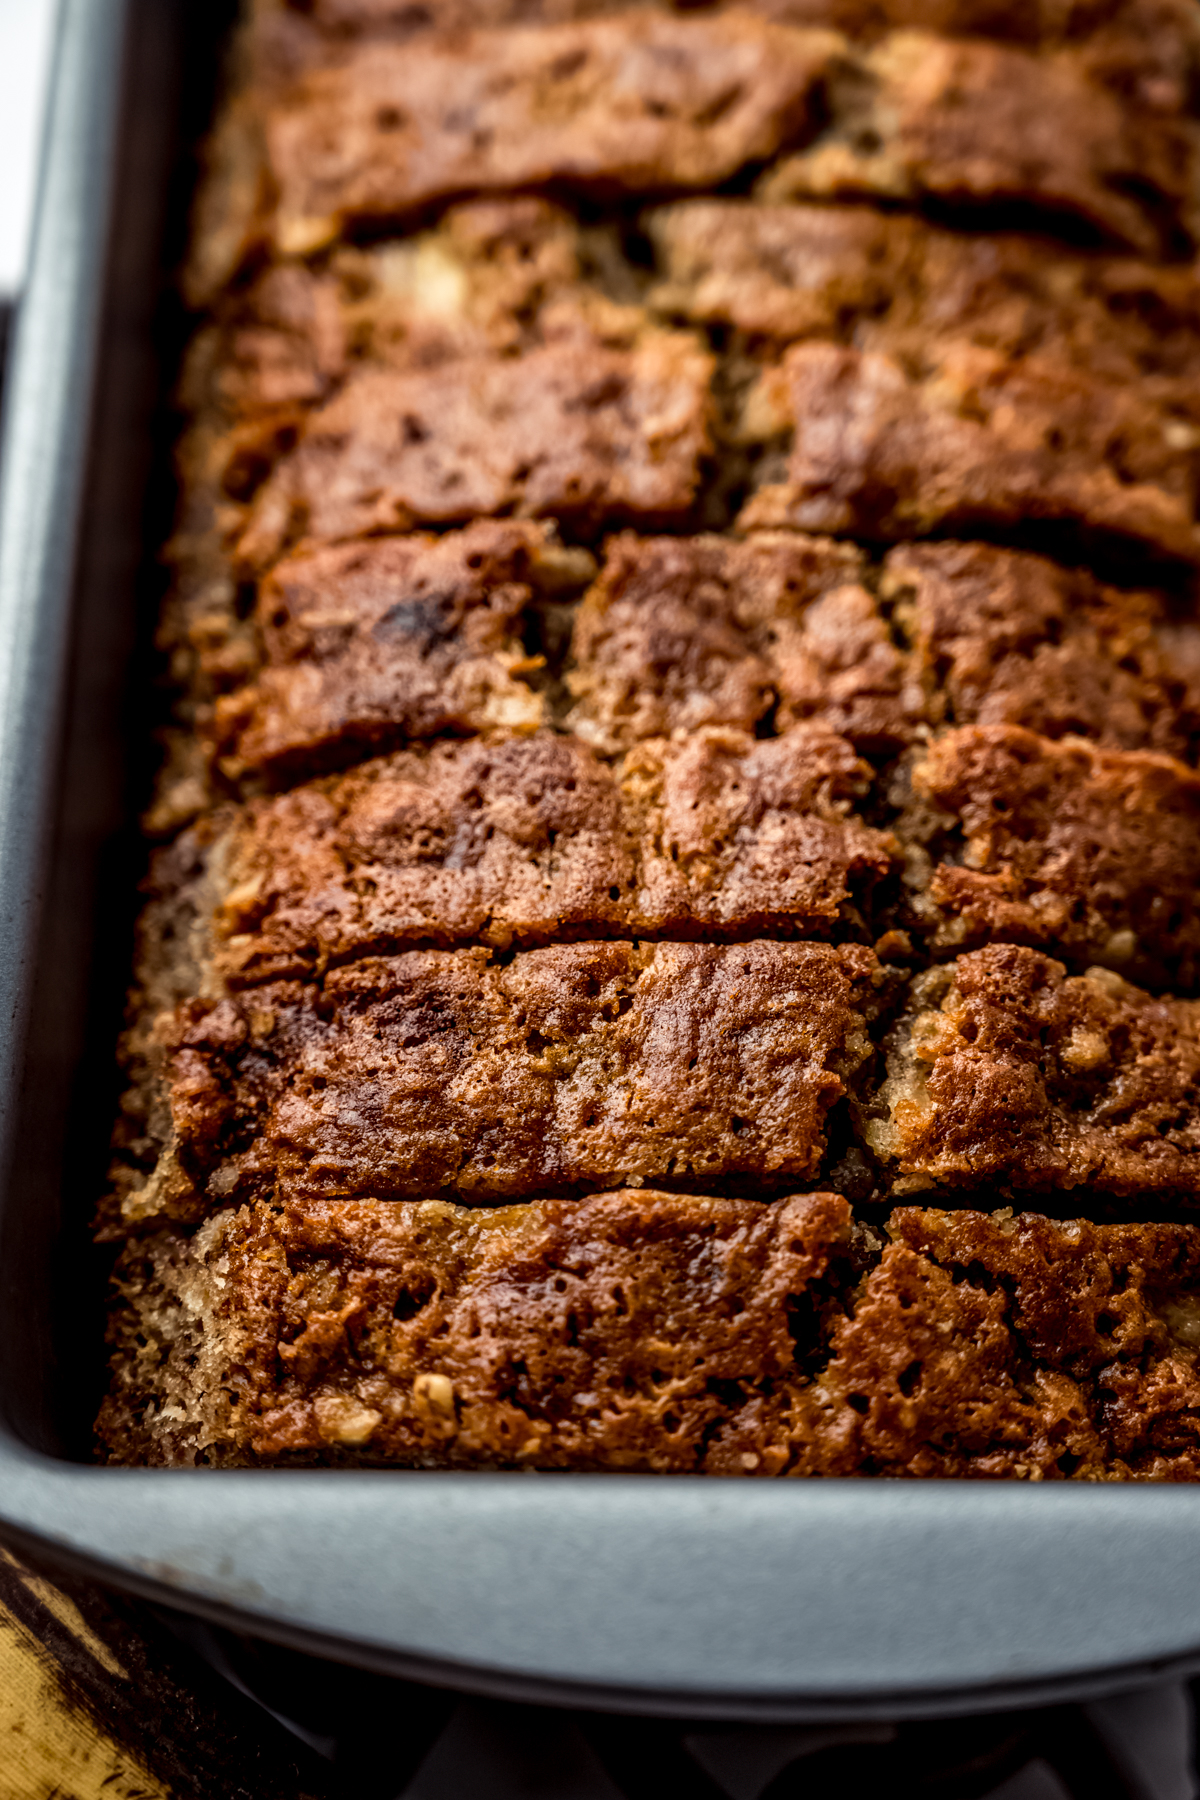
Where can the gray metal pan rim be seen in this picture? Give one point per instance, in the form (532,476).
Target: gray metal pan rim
(744,1599)
(738,1599)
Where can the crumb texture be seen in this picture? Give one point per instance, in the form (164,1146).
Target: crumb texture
(643,1330)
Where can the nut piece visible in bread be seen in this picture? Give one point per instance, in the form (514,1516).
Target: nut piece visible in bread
(1007,1070)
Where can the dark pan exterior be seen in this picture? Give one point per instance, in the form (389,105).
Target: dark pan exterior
(759,1601)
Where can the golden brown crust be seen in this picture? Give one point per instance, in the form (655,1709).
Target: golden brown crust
(895,283)
(741,836)
(644,102)
(489,275)
(617,1332)
(1129,39)
(575,430)
(1140,46)
(683,632)
(523,839)
(321,24)
(1020,1347)
(570,1066)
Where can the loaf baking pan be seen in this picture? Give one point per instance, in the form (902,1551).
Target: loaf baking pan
(761,1600)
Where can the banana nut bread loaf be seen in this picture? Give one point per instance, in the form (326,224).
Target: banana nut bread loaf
(684,749)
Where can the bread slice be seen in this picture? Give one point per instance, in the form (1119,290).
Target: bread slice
(530,840)
(573,1066)
(1092,853)
(644,1330)
(1007,1070)
(1001,637)
(577,429)
(366,645)
(639,101)
(897,283)
(921,117)
(983,444)
(678,633)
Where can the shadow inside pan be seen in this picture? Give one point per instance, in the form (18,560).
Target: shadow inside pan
(52,1366)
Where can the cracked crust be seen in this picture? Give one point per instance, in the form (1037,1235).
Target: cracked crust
(684,632)
(326,132)
(896,283)
(638,102)
(574,430)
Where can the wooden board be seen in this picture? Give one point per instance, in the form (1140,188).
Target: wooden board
(99,1701)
